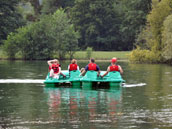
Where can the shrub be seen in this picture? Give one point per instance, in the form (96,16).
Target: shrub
(89,52)
(145,56)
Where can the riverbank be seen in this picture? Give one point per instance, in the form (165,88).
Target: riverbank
(82,55)
(102,55)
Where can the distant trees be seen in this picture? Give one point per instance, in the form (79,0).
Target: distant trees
(50,6)
(167,39)
(109,25)
(157,40)
(98,24)
(41,40)
(10,19)
(133,17)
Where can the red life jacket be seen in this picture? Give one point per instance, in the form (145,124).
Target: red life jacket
(114,68)
(73,67)
(92,66)
(55,68)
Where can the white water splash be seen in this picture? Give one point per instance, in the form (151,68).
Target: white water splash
(21,81)
(134,85)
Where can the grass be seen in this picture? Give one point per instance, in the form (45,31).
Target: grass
(2,54)
(81,55)
(103,55)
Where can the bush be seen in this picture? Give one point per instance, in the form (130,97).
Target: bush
(145,56)
(89,52)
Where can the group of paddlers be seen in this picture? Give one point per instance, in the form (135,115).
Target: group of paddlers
(55,68)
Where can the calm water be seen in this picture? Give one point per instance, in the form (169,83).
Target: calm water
(135,106)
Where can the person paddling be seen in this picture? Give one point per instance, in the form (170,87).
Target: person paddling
(73,66)
(92,66)
(113,67)
(55,68)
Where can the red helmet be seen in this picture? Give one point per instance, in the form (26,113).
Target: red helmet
(114,60)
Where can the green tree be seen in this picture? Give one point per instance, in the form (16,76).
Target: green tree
(35,4)
(61,31)
(109,25)
(134,14)
(157,39)
(97,22)
(167,39)
(10,19)
(42,39)
(89,52)
(50,6)
(155,20)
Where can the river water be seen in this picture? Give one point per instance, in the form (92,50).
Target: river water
(144,102)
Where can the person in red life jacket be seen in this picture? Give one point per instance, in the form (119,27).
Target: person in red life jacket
(92,66)
(73,65)
(113,67)
(55,68)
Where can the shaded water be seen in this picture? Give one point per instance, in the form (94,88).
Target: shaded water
(34,106)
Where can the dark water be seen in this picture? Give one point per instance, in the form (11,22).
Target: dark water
(135,106)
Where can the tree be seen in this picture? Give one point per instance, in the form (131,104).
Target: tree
(167,39)
(42,39)
(10,19)
(50,6)
(109,25)
(97,22)
(155,20)
(62,33)
(134,19)
(158,38)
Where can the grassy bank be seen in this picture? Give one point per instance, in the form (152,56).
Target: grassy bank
(81,55)
(103,55)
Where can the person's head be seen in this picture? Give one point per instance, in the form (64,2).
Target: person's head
(92,60)
(74,61)
(56,61)
(114,60)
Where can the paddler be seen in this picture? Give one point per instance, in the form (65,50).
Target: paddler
(113,67)
(73,66)
(92,66)
(55,69)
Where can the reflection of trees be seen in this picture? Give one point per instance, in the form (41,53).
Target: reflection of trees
(77,107)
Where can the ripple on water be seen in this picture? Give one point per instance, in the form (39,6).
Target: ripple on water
(162,117)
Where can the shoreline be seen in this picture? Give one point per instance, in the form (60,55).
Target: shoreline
(97,60)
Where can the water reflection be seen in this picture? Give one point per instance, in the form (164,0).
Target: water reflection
(77,107)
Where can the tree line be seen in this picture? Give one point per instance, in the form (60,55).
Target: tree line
(154,43)
(39,29)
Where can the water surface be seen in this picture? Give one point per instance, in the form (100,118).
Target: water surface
(33,106)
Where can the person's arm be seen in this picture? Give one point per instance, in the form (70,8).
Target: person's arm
(68,68)
(50,62)
(108,69)
(59,70)
(98,69)
(120,69)
(84,71)
(77,67)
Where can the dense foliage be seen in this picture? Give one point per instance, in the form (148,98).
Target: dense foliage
(109,25)
(167,39)
(98,24)
(157,40)
(50,6)
(42,39)
(10,19)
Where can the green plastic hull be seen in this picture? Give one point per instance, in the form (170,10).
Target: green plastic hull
(73,78)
